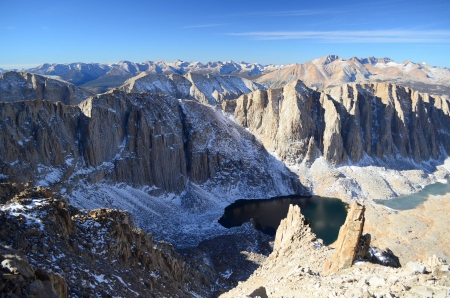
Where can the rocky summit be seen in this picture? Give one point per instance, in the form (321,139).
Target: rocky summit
(332,70)
(295,268)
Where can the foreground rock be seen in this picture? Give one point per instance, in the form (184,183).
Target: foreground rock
(17,277)
(50,248)
(412,234)
(347,244)
(295,269)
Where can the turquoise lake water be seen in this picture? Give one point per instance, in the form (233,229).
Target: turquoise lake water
(413,200)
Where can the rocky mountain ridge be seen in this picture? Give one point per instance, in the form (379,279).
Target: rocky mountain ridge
(321,73)
(143,122)
(349,122)
(18,86)
(206,89)
(51,249)
(332,70)
(336,139)
(103,76)
(173,156)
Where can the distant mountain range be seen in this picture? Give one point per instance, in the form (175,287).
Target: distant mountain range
(100,76)
(332,70)
(321,73)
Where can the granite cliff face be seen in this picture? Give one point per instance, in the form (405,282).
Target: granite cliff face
(138,139)
(347,123)
(17,86)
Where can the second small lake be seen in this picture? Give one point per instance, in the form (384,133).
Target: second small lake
(411,201)
(326,215)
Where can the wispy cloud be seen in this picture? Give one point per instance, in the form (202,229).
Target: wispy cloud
(368,36)
(45,28)
(203,26)
(284,13)
(288,13)
(9,28)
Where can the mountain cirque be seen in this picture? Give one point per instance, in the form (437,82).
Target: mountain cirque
(174,147)
(166,159)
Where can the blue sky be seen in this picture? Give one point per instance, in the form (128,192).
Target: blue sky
(278,32)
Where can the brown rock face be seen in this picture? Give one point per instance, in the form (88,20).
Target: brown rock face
(93,253)
(18,86)
(17,276)
(346,123)
(292,229)
(346,246)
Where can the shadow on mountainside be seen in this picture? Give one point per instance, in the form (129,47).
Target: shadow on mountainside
(235,257)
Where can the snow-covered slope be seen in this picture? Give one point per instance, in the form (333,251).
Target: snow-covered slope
(207,89)
(75,73)
(332,70)
(17,86)
(103,76)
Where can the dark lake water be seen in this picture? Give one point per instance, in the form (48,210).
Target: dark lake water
(326,215)
(413,200)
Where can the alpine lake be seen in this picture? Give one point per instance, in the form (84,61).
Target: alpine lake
(325,215)
(411,201)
